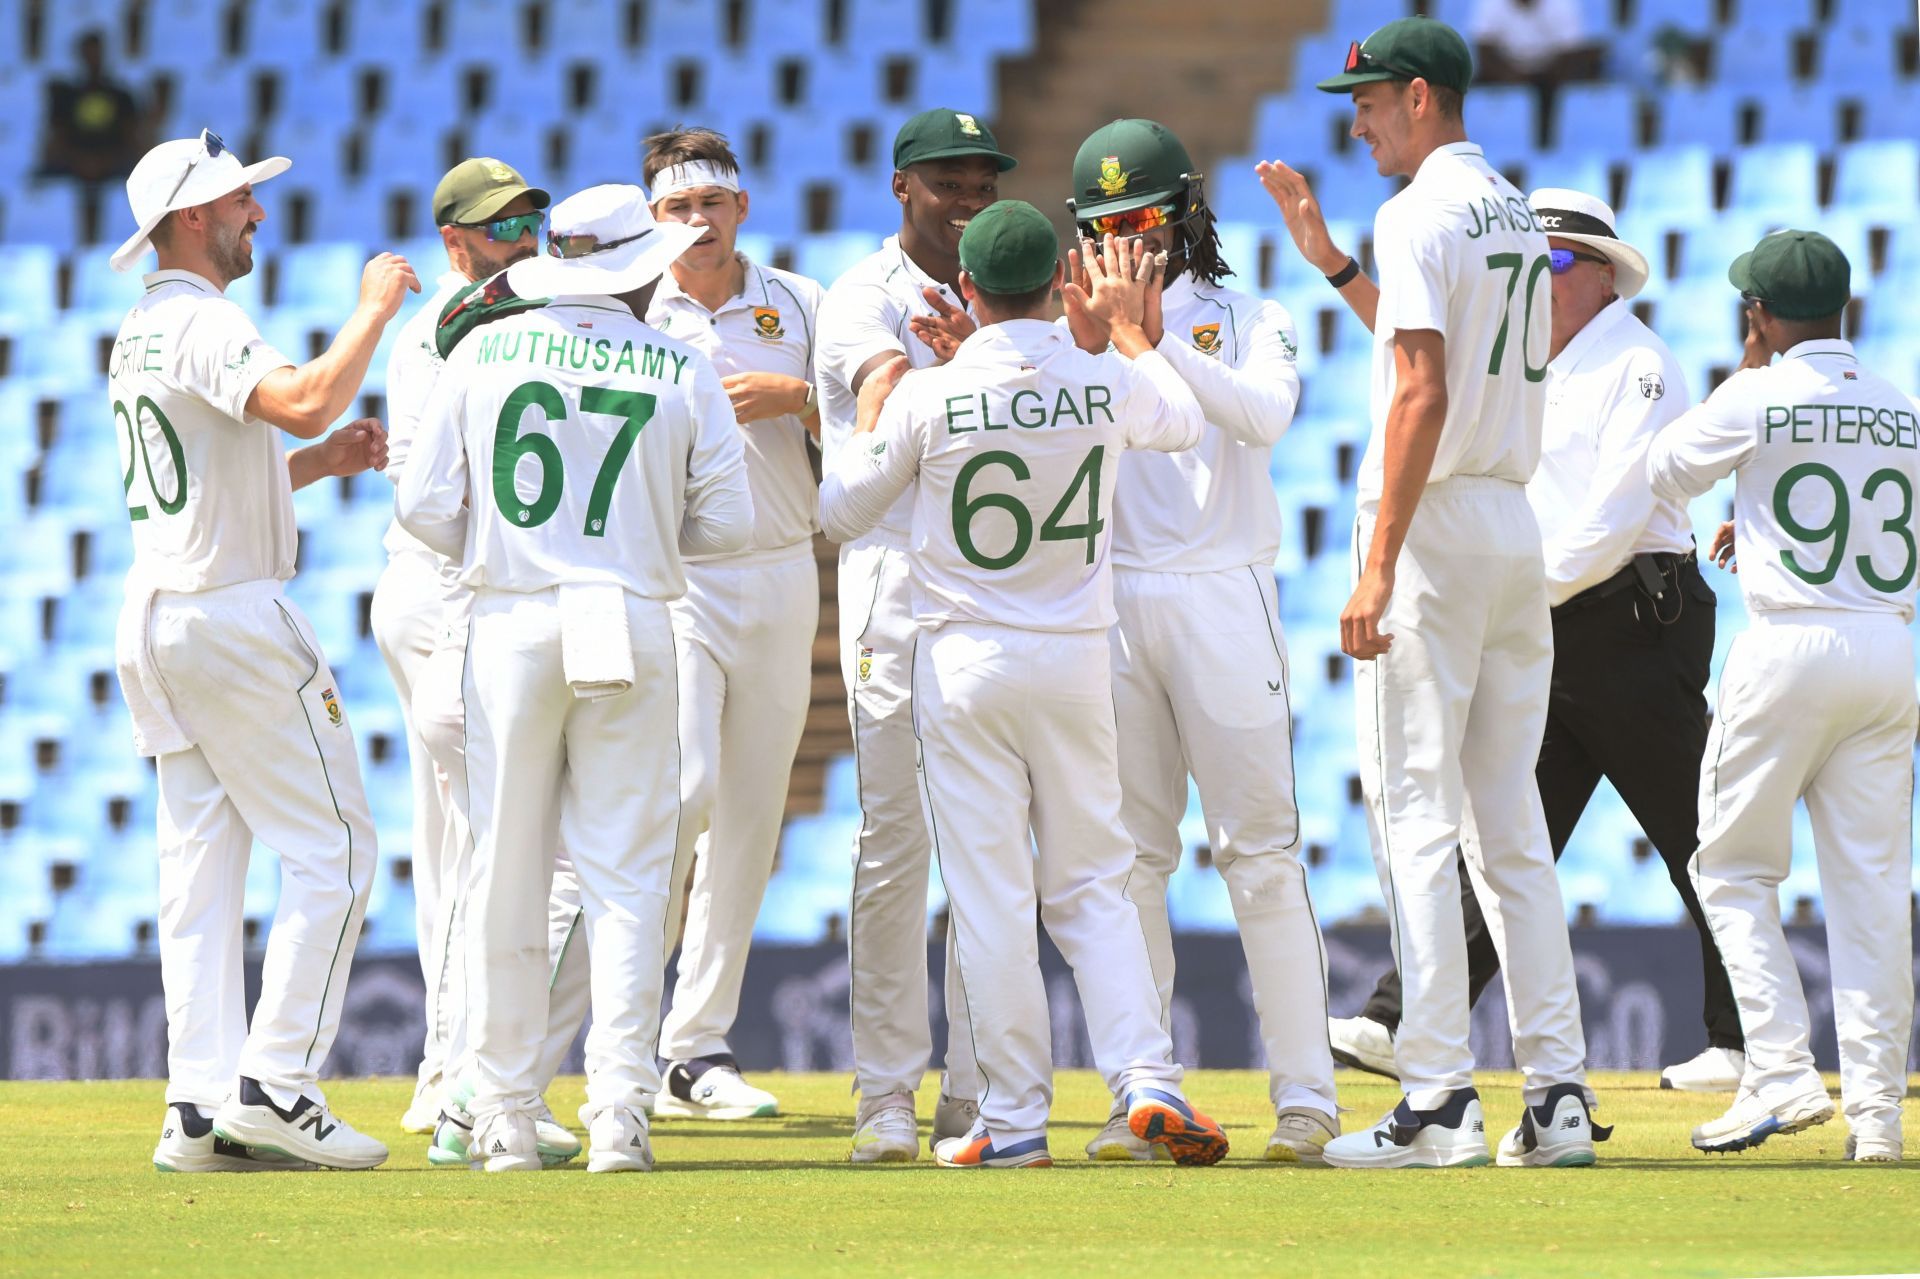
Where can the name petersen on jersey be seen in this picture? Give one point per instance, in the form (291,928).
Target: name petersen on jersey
(1841,424)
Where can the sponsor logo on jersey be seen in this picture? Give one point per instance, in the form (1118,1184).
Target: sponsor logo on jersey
(968,125)
(1651,386)
(866,663)
(1206,338)
(332,704)
(766,322)
(1113,180)
(239,361)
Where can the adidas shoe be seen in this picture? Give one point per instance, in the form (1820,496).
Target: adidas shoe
(504,1142)
(885,1131)
(1116,1143)
(1557,1133)
(306,1132)
(453,1138)
(1713,1070)
(1164,1118)
(955,1116)
(1453,1135)
(711,1088)
(188,1144)
(1362,1043)
(618,1142)
(1873,1150)
(976,1150)
(1751,1121)
(1301,1136)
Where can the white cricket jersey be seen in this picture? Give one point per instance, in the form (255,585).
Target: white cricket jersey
(411,370)
(1014,443)
(576,444)
(865,314)
(1212,507)
(207,487)
(1608,394)
(1827,457)
(767,327)
(1460,252)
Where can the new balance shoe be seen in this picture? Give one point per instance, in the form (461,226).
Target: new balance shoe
(1165,1118)
(1751,1121)
(618,1142)
(954,1116)
(505,1142)
(711,1088)
(1301,1136)
(307,1131)
(1713,1070)
(1873,1150)
(1362,1043)
(976,1150)
(188,1144)
(1116,1142)
(1452,1135)
(423,1112)
(885,1131)
(1557,1133)
(453,1138)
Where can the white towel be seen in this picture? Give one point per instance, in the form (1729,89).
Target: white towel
(596,649)
(157,730)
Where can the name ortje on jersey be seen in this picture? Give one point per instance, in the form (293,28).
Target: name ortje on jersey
(559,350)
(1028,408)
(1843,424)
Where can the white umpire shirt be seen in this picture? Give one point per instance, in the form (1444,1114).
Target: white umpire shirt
(1608,394)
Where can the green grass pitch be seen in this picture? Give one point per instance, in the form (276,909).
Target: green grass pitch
(777,1197)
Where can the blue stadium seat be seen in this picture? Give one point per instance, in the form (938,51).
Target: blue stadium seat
(1503,119)
(1705,116)
(326,93)
(1755,58)
(1315,57)
(1780,181)
(1002,27)
(1579,171)
(183,34)
(217,97)
(1693,16)
(585,29)
(32,273)
(1349,189)
(884,26)
(1703,311)
(379,32)
(1597,118)
(1673,182)
(478,30)
(45,213)
(64,23)
(1301,126)
(1363,17)
(1879,179)
(1862,57)
(1805,113)
(683,26)
(95,286)
(1874,15)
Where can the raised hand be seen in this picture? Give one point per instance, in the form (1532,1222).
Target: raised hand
(874,391)
(1301,212)
(358,446)
(945,329)
(385,283)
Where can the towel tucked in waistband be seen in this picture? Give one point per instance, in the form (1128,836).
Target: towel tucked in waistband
(596,648)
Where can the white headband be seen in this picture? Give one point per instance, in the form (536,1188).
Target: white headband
(676,178)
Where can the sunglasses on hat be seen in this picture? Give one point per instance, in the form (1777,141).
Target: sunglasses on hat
(508,230)
(1561,261)
(1359,59)
(211,144)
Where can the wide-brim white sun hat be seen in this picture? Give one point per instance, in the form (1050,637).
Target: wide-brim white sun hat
(182,174)
(1585,219)
(603,240)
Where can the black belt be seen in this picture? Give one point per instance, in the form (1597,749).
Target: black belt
(1666,561)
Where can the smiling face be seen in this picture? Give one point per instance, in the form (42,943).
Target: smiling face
(230,224)
(1382,119)
(718,212)
(942,196)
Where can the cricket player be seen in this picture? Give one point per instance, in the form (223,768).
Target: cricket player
(947,169)
(1012,696)
(1816,698)
(222,674)
(488,218)
(570,455)
(1199,660)
(1448,619)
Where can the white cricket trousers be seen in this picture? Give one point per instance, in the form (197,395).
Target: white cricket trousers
(1200,686)
(745,633)
(273,758)
(603,775)
(1816,704)
(1017,748)
(1449,723)
(887,925)
(409,621)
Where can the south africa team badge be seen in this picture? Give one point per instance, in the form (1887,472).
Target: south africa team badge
(1206,338)
(1113,179)
(866,663)
(766,322)
(332,704)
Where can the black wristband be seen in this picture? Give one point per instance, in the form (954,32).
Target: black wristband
(1345,275)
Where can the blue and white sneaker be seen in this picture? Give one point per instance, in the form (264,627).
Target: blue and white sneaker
(1557,1133)
(1165,1118)
(976,1150)
(1451,1135)
(1751,1121)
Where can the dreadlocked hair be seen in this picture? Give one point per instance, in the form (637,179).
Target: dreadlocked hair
(1204,258)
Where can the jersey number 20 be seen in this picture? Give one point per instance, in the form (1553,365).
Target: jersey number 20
(137,453)
(965,508)
(510,444)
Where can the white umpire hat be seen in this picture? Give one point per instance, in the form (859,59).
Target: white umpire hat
(1584,219)
(182,174)
(604,239)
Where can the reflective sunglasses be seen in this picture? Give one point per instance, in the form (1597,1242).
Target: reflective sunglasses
(1561,261)
(1359,59)
(211,144)
(1133,221)
(509,230)
(580,246)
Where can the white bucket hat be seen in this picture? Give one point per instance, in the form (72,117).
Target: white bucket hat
(602,240)
(1577,216)
(182,174)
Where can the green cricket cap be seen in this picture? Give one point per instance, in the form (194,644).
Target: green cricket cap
(1800,275)
(1129,164)
(476,190)
(1404,49)
(1009,247)
(941,134)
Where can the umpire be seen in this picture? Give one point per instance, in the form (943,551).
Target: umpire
(1632,617)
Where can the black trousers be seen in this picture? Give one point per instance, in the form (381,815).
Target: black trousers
(1628,704)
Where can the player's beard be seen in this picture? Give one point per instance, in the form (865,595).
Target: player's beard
(232,253)
(491,265)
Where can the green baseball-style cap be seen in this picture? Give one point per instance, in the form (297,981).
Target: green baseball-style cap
(475,190)
(1009,247)
(1129,164)
(941,134)
(1800,275)
(1404,49)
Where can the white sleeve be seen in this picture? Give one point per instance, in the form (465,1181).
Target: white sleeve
(867,477)
(1253,403)
(430,500)
(719,510)
(412,369)
(1160,412)
(856,324)
(1706,444)
(220,357)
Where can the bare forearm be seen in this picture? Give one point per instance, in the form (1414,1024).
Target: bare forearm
(304,466)
(1412,439)
(304,400)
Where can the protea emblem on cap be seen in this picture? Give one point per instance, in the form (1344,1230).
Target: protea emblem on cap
(1206,338)
(1113,180)
(499,172)
(968,125)
(766,322)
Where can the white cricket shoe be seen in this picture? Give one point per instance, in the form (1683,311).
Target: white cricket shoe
(1116,1143)
(1453,1135)
(1557,1133)
(1301,1136)
(618,1142)
(505,1142)
(1750,1121)
(1714,1070)
(188,1144)
(717,1093)
(885,1131)
(1872,1149)
(423,1112)
(308,1132)
(954,1116)
(1362,1043)
(453,1138)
